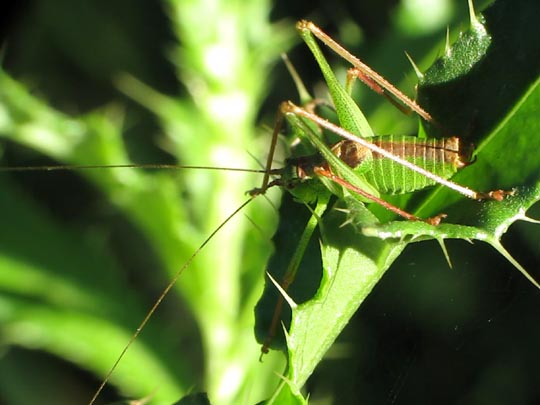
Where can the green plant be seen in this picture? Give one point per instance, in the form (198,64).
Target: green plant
(66,290)
(63,292)
(356,249)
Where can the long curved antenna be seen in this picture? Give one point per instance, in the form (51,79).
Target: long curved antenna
(124,166)
(160,299)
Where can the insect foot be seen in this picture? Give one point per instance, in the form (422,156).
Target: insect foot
(436,220)
(497,195)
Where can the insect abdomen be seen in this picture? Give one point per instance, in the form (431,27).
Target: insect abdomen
(443,157)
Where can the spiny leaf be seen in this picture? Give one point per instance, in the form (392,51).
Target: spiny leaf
(353,263)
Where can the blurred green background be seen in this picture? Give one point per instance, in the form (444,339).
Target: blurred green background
(84,254)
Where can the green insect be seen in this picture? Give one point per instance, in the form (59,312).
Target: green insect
(381,164)
(363,166)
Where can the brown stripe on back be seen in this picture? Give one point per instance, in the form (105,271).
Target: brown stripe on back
(447,150)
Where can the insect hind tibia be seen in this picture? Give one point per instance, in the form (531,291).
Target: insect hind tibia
(373,79)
